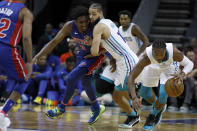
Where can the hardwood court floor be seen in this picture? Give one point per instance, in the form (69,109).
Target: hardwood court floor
(76,118)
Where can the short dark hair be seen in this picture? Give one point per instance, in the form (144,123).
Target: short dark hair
(125,12)
(79,11)
(159,44)
(97,6)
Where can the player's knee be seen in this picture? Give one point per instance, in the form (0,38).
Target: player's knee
(115,96)
(146,92)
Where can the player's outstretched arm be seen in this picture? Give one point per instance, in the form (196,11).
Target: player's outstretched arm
(144,61)
(27,18)
(136,31)
(47,49)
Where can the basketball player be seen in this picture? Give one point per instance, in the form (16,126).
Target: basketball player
(80,31)
(106,33)
(132,33)
(135,38)
(15,20)
(160,55)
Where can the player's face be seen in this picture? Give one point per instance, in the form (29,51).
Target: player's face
(42,61)
(70,65)
(159,54)
(94,14)
(82,23)
(124,20)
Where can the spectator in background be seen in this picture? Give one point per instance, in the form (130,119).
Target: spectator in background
(54,62)
(56,79)
(190,84)
(72,51)
(193,44)
(41,74)
(46,37)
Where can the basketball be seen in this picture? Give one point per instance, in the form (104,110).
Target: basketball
(173,89)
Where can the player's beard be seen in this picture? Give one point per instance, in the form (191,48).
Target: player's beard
(96,21)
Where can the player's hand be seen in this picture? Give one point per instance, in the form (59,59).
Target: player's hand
(136,103)
(28,67)
(179,77)
(113,65)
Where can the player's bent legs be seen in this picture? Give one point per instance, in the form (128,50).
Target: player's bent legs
(160,103)
(71,81)
(91,93)
(155,116)
(119,98)
(148,94)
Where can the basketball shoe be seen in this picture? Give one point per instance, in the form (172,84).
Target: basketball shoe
(130,122)
(4,122)
(55,113)
(153,120)
(96,114)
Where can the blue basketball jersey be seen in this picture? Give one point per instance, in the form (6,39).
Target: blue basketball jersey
(84,49)
(10,25)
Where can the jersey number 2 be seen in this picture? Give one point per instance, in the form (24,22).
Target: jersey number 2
(5,26)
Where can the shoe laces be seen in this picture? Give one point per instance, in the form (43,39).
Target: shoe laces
(129,118)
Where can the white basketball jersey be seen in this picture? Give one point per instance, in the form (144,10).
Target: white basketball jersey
(117,46)
(163,64)
(133,42)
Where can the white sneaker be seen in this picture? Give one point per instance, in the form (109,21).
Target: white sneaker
(4,122)
(172,108)
(184,109)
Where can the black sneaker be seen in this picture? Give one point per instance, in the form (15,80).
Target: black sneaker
(150,122)
(130,122)
(158,117)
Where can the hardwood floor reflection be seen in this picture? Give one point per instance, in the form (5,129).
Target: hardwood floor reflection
(76,118)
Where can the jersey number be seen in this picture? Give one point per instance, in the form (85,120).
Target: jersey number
(5,26)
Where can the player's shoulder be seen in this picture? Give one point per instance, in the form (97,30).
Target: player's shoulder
(100,26)
(25,12)
(68,24)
